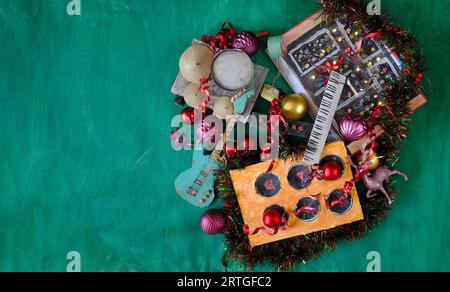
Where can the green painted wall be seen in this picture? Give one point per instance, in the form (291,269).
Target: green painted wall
(85,161)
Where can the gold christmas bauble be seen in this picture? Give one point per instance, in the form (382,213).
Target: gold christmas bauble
(374,163)
(223,107)
(294,107)
(193,96)
(195,63)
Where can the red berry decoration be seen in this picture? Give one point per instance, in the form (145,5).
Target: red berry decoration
(419,77)
(212,222)
(188,115)
(272,218)
(331,171)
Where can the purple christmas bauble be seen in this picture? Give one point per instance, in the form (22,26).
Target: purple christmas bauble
(212,222)
(353,128)
(246,42)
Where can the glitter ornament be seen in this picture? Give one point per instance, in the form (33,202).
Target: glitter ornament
(246,42)
(212,222)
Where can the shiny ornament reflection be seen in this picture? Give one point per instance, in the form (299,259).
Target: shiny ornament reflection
(294,107)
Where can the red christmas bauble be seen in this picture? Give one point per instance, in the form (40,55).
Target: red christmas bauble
(188,115)
(272,218)
(419,77)
(331,171)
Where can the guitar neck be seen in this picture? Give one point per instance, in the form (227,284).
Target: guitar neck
(324,119)
(230,124)
(223,141)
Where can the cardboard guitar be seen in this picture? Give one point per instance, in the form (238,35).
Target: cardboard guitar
(196,185)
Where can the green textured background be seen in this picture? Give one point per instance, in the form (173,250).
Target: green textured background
(85,159)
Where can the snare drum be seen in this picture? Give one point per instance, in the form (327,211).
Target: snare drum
(232,70)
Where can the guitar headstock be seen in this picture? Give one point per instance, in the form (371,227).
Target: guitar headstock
(243,93)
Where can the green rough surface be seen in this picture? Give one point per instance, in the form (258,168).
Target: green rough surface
(85,159)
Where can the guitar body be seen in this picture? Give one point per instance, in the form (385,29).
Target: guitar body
(196,185)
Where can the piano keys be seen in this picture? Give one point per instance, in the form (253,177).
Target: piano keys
(324,119)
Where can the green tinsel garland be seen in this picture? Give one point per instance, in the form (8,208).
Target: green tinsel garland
(286,254)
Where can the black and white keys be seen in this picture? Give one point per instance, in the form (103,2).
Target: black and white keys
(324,119)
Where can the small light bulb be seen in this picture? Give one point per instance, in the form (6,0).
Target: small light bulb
(339,39)
(380,103)
(335,30)
(356,33)
(358,69)
(378,59)
(313,77)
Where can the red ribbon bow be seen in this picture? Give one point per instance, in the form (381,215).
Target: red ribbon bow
(204,87)
(372,35)
(275,110)
(305,209)
(223,38)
